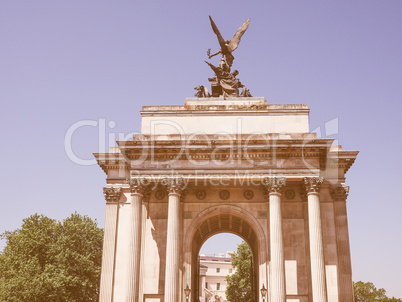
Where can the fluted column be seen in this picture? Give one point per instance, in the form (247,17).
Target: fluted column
(339,194)
(175,188)
(138,189)
(312,187)
(273,187)
(112,196)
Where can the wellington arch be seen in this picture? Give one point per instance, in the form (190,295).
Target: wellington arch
(226,164)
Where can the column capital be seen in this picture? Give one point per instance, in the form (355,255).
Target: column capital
(339,192)
(311,184)
(175,185)
(273,185)
(139,185)
(112,194)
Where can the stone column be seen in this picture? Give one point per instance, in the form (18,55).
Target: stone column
(112,196)
(339,194)
(312,187)
(273,187)
(138,189)
(145,207)
(201,290)
(175,188)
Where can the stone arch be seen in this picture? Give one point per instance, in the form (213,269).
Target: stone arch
(224,219)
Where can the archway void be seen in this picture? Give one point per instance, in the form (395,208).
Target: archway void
(219,222)
(215,264)
(220,243)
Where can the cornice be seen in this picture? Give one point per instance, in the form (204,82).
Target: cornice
(203,149)
(212,148)
(216,106)
(341,159)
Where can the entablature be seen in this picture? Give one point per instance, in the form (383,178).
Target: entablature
(283,154)
(205,146)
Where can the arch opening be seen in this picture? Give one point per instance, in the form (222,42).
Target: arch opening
(217,222)
(215,265)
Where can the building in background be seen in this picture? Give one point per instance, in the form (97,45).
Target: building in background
(213,273)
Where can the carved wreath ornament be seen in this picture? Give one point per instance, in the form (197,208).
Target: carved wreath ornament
(224,194)
(290,194)
(160,194)
(248,194)
(201,194)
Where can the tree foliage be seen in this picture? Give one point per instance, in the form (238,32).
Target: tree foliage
(367,292)
(47,260)
(239,286)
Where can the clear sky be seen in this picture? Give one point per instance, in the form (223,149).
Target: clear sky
(62,62)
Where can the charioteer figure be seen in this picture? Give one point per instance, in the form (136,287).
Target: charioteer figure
(227,82)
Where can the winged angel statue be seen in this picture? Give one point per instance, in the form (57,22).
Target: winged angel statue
(225,83)
(227,47)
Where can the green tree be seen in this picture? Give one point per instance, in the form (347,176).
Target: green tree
(367,292)
(47,260)
(239,283)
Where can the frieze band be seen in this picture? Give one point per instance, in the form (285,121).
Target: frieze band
(178,185)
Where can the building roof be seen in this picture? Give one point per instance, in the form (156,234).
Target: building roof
(215,258)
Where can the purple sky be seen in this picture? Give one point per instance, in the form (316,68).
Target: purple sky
(63,62)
